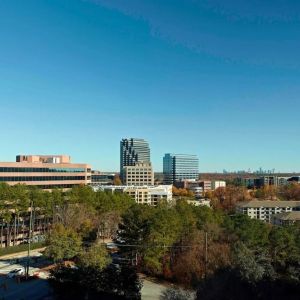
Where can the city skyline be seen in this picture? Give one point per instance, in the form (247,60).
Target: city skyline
(217,79)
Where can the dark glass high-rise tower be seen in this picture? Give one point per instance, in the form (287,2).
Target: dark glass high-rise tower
(133,151)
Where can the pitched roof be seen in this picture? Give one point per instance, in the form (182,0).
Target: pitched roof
(268,203)
(288,216)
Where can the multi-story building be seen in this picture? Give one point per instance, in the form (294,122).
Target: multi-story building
(141,174)
(133,151)
(102,178)
(178,167)
(218,184)
(191,185)
(288,218)
(280,181)
(295,179)
(45,171)
(265,209)
(150,195)
(206,185)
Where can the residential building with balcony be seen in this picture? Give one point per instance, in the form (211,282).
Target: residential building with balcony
(265,209)
(150,195)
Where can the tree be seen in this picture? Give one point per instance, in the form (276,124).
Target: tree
(266,192)
(176,294)
(96,257)
(253,233)
(285,251)
(226,198)
(164,230)
(290,191)
(94,283)
(117,180)
(252,266)
(63,243)
(192,262)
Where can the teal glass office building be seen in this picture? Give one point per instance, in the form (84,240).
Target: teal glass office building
(178,167)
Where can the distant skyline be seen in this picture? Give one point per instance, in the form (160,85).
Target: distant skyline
(219,79)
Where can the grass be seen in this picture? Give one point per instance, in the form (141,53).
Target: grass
(20,248)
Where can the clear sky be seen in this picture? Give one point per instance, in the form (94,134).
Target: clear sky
(220,79)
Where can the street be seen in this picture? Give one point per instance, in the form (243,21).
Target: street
(13,289)
(38,288)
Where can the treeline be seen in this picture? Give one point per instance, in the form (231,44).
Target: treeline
(197,247)
(226,198)
(186,244)
(76,208)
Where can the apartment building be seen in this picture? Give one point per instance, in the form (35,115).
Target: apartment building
(265,209)
(286,219)
(45,171)
(218,184)
(150,195)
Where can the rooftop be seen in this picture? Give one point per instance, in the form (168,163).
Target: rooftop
(268,203)
(289,216)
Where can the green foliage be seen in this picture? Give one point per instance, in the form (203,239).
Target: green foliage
(135,225)
(165,240)
(253,233)
(285,250)
(164,230)
(63,243)
(226,284)
(252,265)
(96,257)
(95,283)
(176,294)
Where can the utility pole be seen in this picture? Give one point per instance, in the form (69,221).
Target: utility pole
(29,241)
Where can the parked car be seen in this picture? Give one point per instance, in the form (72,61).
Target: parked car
(16,272)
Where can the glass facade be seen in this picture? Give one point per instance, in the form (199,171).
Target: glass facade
(133,151)
(178,167)
(42,170)
(45,171)
(39,178)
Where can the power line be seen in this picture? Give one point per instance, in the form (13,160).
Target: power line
(158,246)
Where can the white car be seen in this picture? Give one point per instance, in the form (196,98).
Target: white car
(16,272)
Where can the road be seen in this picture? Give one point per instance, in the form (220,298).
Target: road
(11,289)
(38,289)
(152,290)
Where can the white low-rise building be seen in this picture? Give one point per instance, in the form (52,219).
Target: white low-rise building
(218,184)
(150,195)
(265,209)
(201,202)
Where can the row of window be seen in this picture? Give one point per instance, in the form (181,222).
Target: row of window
(40,178)
(42,170)
(150,173)
(139,176)
(58,186)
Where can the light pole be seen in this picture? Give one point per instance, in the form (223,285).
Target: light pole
(29,241)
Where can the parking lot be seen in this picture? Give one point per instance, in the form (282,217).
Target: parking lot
(17,288)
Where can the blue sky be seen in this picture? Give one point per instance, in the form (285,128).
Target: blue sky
(220,79)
